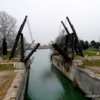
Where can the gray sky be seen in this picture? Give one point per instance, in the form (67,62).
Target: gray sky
(45,16)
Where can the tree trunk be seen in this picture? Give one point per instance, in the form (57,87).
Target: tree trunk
(4,46)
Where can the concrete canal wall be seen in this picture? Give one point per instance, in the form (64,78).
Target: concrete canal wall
(85,79)
(18,86)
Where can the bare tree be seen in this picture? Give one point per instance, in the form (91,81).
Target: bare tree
(7,29)
(61,38)
(7,24)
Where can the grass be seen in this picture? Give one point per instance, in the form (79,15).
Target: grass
(91,62)
(4,57)
(94,62)
(4,67)
(91,53)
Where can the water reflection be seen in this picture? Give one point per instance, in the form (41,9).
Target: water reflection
(47,84)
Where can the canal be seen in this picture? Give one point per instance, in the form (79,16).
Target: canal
(47,83)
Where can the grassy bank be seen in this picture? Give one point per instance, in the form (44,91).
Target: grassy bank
(4,67)
(91,53)
(91,63)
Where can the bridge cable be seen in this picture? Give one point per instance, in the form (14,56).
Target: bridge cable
(28,24)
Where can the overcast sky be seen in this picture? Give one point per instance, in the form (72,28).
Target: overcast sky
(45,16)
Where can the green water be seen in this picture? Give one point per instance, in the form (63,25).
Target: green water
(47,83)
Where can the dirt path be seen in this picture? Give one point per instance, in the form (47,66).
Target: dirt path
(6,78)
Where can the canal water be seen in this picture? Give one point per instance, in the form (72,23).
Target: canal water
(47,83)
